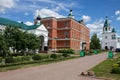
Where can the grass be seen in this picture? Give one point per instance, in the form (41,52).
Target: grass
(103,69)
(2,69)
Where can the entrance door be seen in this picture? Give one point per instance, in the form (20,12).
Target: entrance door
(106,47)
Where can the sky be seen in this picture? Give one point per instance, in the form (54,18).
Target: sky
(93,12)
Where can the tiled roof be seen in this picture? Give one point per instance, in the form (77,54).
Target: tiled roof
(7,22)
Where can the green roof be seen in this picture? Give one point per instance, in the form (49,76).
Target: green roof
(106,24)
(113,30)
(7,22)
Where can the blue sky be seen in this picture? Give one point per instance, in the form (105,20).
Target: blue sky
(93,12)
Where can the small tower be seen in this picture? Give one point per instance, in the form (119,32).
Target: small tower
(70,14)
(106,27)
(113,30)
(37,19)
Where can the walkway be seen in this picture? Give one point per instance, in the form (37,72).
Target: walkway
(65,70)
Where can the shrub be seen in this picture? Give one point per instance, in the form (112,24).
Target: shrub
(45,56)
(9,60)
(116,70)
(0,59)
(59,55)
(62,51)
(54,56)
(65,55)
(115,65)
(15,54)
(18,59)
(37,57)
(69,51)
(88,53)
(91,51)
(25,58)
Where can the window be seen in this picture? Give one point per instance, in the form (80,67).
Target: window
(105,29)
(105,37)
(48,24)
(119,40)
(65,43)
(105,43)
(66,24)
(113,36)
(66,34)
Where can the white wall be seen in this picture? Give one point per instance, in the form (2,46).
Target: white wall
(110,42)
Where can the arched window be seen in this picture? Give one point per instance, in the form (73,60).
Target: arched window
(106,29)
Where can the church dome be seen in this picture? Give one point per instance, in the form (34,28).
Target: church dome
(38,17)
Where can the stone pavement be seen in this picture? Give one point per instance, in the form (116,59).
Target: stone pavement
(65,70)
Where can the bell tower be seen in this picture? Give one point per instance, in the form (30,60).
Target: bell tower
(106,27)
(37,19)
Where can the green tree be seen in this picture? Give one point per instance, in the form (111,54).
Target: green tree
(3,46)
(20,40)
(13,37)
(95,42)
(33,42)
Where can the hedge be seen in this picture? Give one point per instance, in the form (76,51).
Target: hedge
(116,70)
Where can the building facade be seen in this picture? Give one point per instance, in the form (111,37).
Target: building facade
(66,33)
(56,33)
(110,38)
(37,29)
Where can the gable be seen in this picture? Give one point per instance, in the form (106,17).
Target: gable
(42,28)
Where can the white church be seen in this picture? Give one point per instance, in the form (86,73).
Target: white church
(37,29)
(110,38)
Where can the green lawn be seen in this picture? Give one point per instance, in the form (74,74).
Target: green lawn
(103,69)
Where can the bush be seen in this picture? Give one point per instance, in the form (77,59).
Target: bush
(15,54)
(69,51)
(37,57)
(116,70)
(65,55)
(54,56)
(115,65)
(25,58)
(59,55)
(45,56)
(88,53)
(18,59)
(0,59)
(9,60)
(91,51)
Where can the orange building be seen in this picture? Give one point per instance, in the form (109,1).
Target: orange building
(66,33)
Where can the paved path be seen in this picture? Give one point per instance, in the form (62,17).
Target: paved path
(65,70)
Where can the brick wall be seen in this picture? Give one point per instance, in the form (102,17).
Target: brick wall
(66,33)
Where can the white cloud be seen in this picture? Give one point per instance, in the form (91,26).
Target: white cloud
(26,13)
(86,18)
(117,12)
(28,23)
(48,13)
(96,27)
(6,4)
(118,18)
(60,5)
